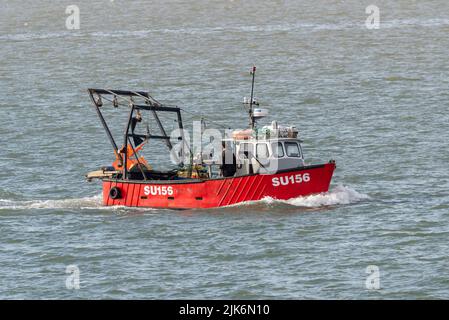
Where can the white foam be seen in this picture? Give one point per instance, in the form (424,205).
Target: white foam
(86,203)
(94,202)
(340,195)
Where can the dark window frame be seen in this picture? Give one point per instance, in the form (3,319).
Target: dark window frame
(281,146)
(267,150)
(287,143)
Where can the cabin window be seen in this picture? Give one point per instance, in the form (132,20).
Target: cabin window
(292,149)
(246,151)
(278,150)
(262,151)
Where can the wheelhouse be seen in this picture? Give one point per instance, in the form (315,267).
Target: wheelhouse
(267,156)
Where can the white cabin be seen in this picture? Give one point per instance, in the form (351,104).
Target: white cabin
(267,155)
(259,151)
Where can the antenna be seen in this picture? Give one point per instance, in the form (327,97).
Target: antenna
(251,101)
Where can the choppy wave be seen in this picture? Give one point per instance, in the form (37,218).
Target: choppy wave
(289,27)
(340,195)
(400,78)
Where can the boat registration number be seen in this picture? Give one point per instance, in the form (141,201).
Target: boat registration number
(158,190)
(293,179)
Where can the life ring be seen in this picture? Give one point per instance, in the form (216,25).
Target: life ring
(115,193)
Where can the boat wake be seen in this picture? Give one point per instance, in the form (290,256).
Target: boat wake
(94,202)
(340,195)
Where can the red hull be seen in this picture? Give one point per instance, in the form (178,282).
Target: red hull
(179,194)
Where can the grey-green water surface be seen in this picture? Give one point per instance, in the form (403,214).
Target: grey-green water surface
(374,100)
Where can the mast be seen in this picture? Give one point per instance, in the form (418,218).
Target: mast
(251,102)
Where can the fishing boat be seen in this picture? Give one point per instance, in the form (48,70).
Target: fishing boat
(245,165)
